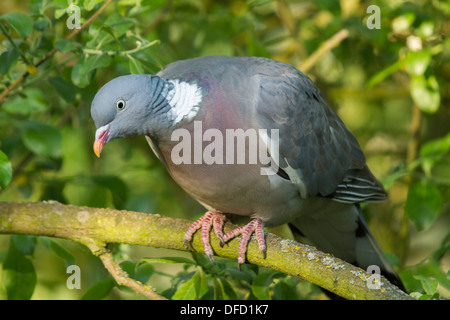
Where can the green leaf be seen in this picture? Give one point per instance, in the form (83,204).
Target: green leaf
(42,139)
(41,24)
(99,290)
(135,66)
(167,260)
(79,79)
(186,291)
(109,31)
(219,292)
(223,290)
(20,22)
(119,24)
(116,186)
(80,72)
(90,4)
(403,22)
(5,170)
(436,148)
(204,262)
(93,62)
(423,204)
(8,58)
(284,290)
(194,288)
(24,243)
(426,29)
(425,93)
(19,275)
(416,295)
(59,12)
(429,285)
(62,252)
(143,272)
(261,283)
(417,62)
(66,45)
(433,151)
(65,89)
(201,284)
(129,267)
(34,100)
(138,271)
(383,74)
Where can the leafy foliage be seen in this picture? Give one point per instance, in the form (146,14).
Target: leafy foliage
(201,280)
(390,86)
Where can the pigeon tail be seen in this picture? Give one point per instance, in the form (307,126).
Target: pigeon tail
(342,231)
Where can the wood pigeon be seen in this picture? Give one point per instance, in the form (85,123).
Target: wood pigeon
(213,122)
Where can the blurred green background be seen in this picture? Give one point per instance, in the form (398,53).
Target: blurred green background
(389,85)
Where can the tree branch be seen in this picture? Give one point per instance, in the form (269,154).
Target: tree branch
(326,46)
(95,227)
(99,249)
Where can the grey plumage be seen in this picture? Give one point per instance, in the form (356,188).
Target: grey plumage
(323,173)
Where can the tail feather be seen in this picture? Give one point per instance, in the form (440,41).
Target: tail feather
(370,253)
(342,231)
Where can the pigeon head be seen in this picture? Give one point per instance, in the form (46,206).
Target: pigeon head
(129,105)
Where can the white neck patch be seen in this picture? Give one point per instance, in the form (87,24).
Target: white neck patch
(185,99)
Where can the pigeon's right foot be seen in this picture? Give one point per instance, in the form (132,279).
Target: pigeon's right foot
(256,226)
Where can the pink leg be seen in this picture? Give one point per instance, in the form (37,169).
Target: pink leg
(208,220)
(194,227)
(256,226)
(218,221)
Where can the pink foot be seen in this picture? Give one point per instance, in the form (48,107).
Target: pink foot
(256,226)
(216,220)
(208,220)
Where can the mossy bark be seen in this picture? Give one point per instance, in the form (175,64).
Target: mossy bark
(93,225)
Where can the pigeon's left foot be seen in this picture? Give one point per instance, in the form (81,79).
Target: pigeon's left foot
(208,220)
(256,226)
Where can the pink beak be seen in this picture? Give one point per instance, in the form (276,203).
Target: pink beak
(101,136)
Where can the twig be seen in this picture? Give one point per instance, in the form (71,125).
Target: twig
(121,277)
(91,225)
(286,16)
(290,22)
(6,34)
(413,144)
(411,156)
(328,45)
(12,86)
(138,48)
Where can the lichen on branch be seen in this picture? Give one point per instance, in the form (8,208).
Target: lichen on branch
(95,227)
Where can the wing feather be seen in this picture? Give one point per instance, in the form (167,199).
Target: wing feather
(315,145)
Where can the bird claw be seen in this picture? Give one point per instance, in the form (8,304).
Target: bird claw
(206,222)
(256,226)
(222,243)
(187,244)
(264,253)
(216,220)
(210,256)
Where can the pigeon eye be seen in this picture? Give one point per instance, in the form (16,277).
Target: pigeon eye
(120,104)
